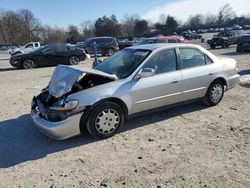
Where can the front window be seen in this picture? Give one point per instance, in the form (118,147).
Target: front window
(29,45)
(123,63)
(163,61)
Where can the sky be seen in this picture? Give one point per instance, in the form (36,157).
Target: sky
(64,12)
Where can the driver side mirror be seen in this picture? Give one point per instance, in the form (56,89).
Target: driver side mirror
(146,72)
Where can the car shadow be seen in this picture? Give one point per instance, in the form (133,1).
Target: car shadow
(8,69)
(21,141)
(244,72)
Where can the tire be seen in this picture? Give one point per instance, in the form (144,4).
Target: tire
(214,93)
(105,120)
(110,51)
(212,46)
(74,60)
(225,45)
(238,49)
(29,64)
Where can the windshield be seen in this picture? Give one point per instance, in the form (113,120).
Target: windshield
(39,49)
(124,62)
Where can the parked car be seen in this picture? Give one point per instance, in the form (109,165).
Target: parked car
(135,79)
(25,49)
(243,43)
(246,27)
(163,39)
(124,43)
(191,36)
(3,48)
(225,39)
(49,55)
(236,27)
(105,45)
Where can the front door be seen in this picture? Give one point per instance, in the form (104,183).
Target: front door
(161,89)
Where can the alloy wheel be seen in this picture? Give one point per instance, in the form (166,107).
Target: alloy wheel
(107,121)
(216,93)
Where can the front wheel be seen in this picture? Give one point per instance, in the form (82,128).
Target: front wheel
(105,120)
(74,60)
(29,64)
(214,94)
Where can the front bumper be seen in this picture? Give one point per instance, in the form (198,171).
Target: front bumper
(14,62)
(58,130)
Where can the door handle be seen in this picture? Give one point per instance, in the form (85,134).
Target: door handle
(210,74)
(174,82)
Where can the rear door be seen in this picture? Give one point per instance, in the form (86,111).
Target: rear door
(62,54)
(196,71)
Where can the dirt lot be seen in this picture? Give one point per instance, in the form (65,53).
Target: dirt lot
(188,146)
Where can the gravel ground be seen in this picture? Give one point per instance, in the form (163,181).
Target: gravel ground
(187,146)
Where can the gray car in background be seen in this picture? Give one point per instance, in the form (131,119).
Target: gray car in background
(136,79)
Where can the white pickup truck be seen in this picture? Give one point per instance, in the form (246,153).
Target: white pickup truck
(26,48)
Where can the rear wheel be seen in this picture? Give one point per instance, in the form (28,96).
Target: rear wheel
(238,49)
(105,120)
(212,46)
(74,60)
(111,51)
(225,45)
(214,93)
(29,64)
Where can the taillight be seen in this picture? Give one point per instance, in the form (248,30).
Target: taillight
(237,67)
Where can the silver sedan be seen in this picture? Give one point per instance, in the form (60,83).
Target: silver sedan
(136,79)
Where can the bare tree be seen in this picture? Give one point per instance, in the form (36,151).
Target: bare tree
(225,13)
(10,23)
(195,21)
(30,24)
(162,19)
(53,34)
(87,28)
(210,20)
(128,24)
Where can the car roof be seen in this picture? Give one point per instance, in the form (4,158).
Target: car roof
(156,46)
(99,37)
(166,37)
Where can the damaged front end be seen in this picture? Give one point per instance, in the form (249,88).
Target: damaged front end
(52,104)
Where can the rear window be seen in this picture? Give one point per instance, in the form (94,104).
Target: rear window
(108,40)
(191,57)
(172,41)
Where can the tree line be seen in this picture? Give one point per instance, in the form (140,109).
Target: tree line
(22,26)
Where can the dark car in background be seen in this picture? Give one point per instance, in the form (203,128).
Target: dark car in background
(49,55)
(243,43)
(191,35)
(225,39)
(105,45)
(124,43)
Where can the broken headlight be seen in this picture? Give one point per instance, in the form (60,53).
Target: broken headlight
(65,106)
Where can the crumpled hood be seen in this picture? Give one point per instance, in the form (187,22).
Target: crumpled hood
(64,77)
